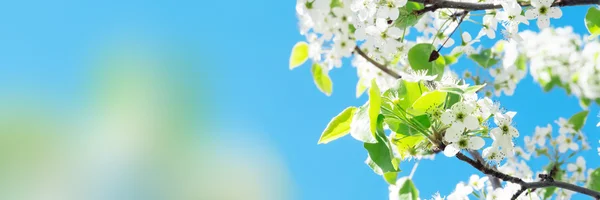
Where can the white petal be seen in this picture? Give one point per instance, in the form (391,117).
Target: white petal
(536,3)
(475,143)
(554,12)
(448,117)
(571,167)
(394,13)
(466,37)
(491,33)
(451,150)
(449,43)
(511,114)
(496,133)
(562,148)
(394,32)
(522,19)
(574,146)
(532,13)
(462,108)
(513,131)
(543,21)
(381,24)
(471,122)
(453,133)
(580,161)
(546,3)
(473,179)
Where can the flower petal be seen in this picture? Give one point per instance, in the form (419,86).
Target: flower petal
(554,12)
(513,131)
(471,122)
(451,150)
(532,13)
(394,13)
(522,19)
(448,117)
(466,37)
(543,21)
(475,143)
(394,32)
(571,167)
(453,133)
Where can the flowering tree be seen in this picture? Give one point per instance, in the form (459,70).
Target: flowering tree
(418,107)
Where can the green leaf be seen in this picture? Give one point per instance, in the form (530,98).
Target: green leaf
(322,79)
(422,120)
(585,102)
(418,57)
(578,119)
(592,20)
(429,100)
(336,3)
(408,190)
(407,17)
(521,62)
(407,143)
(409,92)
(380,152)
(452,99)
(360,128)
(360,88)
(451,59)
(454,90)
(390,177)
(594,180)
(338,127)
(299,54)
(484,59)
(548,192)
(474,89)
(374,104)
(373,166)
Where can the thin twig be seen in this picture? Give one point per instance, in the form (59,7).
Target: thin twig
(525,185)
(439,4)
(378,65)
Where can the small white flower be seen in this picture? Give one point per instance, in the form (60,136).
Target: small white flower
(461,192)
(465,142)
(466,46)
(498,194)
(459,117)
(543,11)
(503,121)
(493,153)
(511,16)
(578,169)
(476,182)
(565,126)
(565,143)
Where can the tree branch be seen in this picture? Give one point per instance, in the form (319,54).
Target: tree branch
(378,65)
(495,181)
(438,4)
(525,185)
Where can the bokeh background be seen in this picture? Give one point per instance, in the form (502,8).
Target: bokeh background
(169,100)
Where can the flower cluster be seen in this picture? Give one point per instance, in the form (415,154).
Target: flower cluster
(466,123)
(568,61)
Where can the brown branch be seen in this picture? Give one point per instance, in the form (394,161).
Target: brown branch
(378,65)
(495,181)
(525,185)
(439,4)
(518,193)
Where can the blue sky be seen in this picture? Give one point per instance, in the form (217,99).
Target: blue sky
(245,46)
